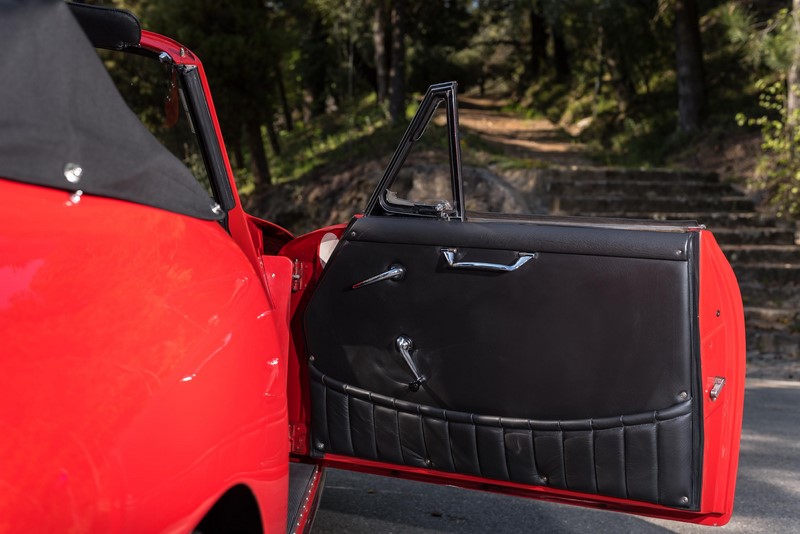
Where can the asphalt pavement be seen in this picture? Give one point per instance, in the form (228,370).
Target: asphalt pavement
(767,493)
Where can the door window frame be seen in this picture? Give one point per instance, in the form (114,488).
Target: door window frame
(379,204)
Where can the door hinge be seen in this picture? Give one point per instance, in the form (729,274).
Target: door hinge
(297,276)
(298,438)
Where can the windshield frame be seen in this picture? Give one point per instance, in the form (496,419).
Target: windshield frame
(200,109)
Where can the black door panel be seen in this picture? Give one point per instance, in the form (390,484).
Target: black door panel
(577,370)
(567,336)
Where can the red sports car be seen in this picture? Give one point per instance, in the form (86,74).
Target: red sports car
(173,364)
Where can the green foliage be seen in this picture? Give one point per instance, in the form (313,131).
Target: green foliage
(357,132)
(779,168)
(438,44)
(768,46)
(479,152)
(633,123)
(605,64)
(763,43)
(621,61)
(361,132)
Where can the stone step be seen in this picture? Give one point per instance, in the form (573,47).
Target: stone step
(743,254)
(596,204)
(771,318)
(754,236)
(777,298)
(773,345)
(642,188)
(719,219)
(770,295)
(761,248)
(576,174)
(739,220)
(771,291)
(778,273)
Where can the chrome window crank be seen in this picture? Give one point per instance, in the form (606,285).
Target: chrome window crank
(405,345)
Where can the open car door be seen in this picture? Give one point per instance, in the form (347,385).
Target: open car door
(592,362)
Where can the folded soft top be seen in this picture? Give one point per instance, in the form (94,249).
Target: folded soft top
(60,111)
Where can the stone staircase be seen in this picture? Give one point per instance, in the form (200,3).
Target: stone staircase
(761,248)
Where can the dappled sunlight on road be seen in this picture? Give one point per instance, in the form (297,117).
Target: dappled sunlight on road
(520,137)
(767,495)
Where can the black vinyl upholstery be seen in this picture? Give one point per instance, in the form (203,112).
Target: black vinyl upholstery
(636,456)
(577,371)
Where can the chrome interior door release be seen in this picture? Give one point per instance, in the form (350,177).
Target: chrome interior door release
(405,345)
(450,256)
(395,272)
(719,382)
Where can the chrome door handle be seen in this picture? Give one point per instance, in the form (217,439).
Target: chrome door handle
(395,272)
(450,255)
(405,345)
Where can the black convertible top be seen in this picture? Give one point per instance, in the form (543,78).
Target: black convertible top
(59,110)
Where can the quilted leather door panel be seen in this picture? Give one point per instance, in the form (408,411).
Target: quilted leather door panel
(576,371)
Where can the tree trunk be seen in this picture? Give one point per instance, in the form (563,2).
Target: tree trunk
(793,76)
(397,72)
(258,157)
(379,41)
(689,66)
(560,55)
(236,151)
(598,78)
(287,112)
(365,70)
(538,44)
(621,78)
(273,139)
(316,75)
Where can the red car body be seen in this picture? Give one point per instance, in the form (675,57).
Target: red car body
(154,361)
(155,368)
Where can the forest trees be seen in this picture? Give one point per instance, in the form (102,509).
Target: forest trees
(627,71)
(689,66)
(793,76)
(770,44)
(379,24)
(272,63)
(397,70)
(786,192)
(240,45)
(599,51)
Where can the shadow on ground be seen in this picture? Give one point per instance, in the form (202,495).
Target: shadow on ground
(767,495)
